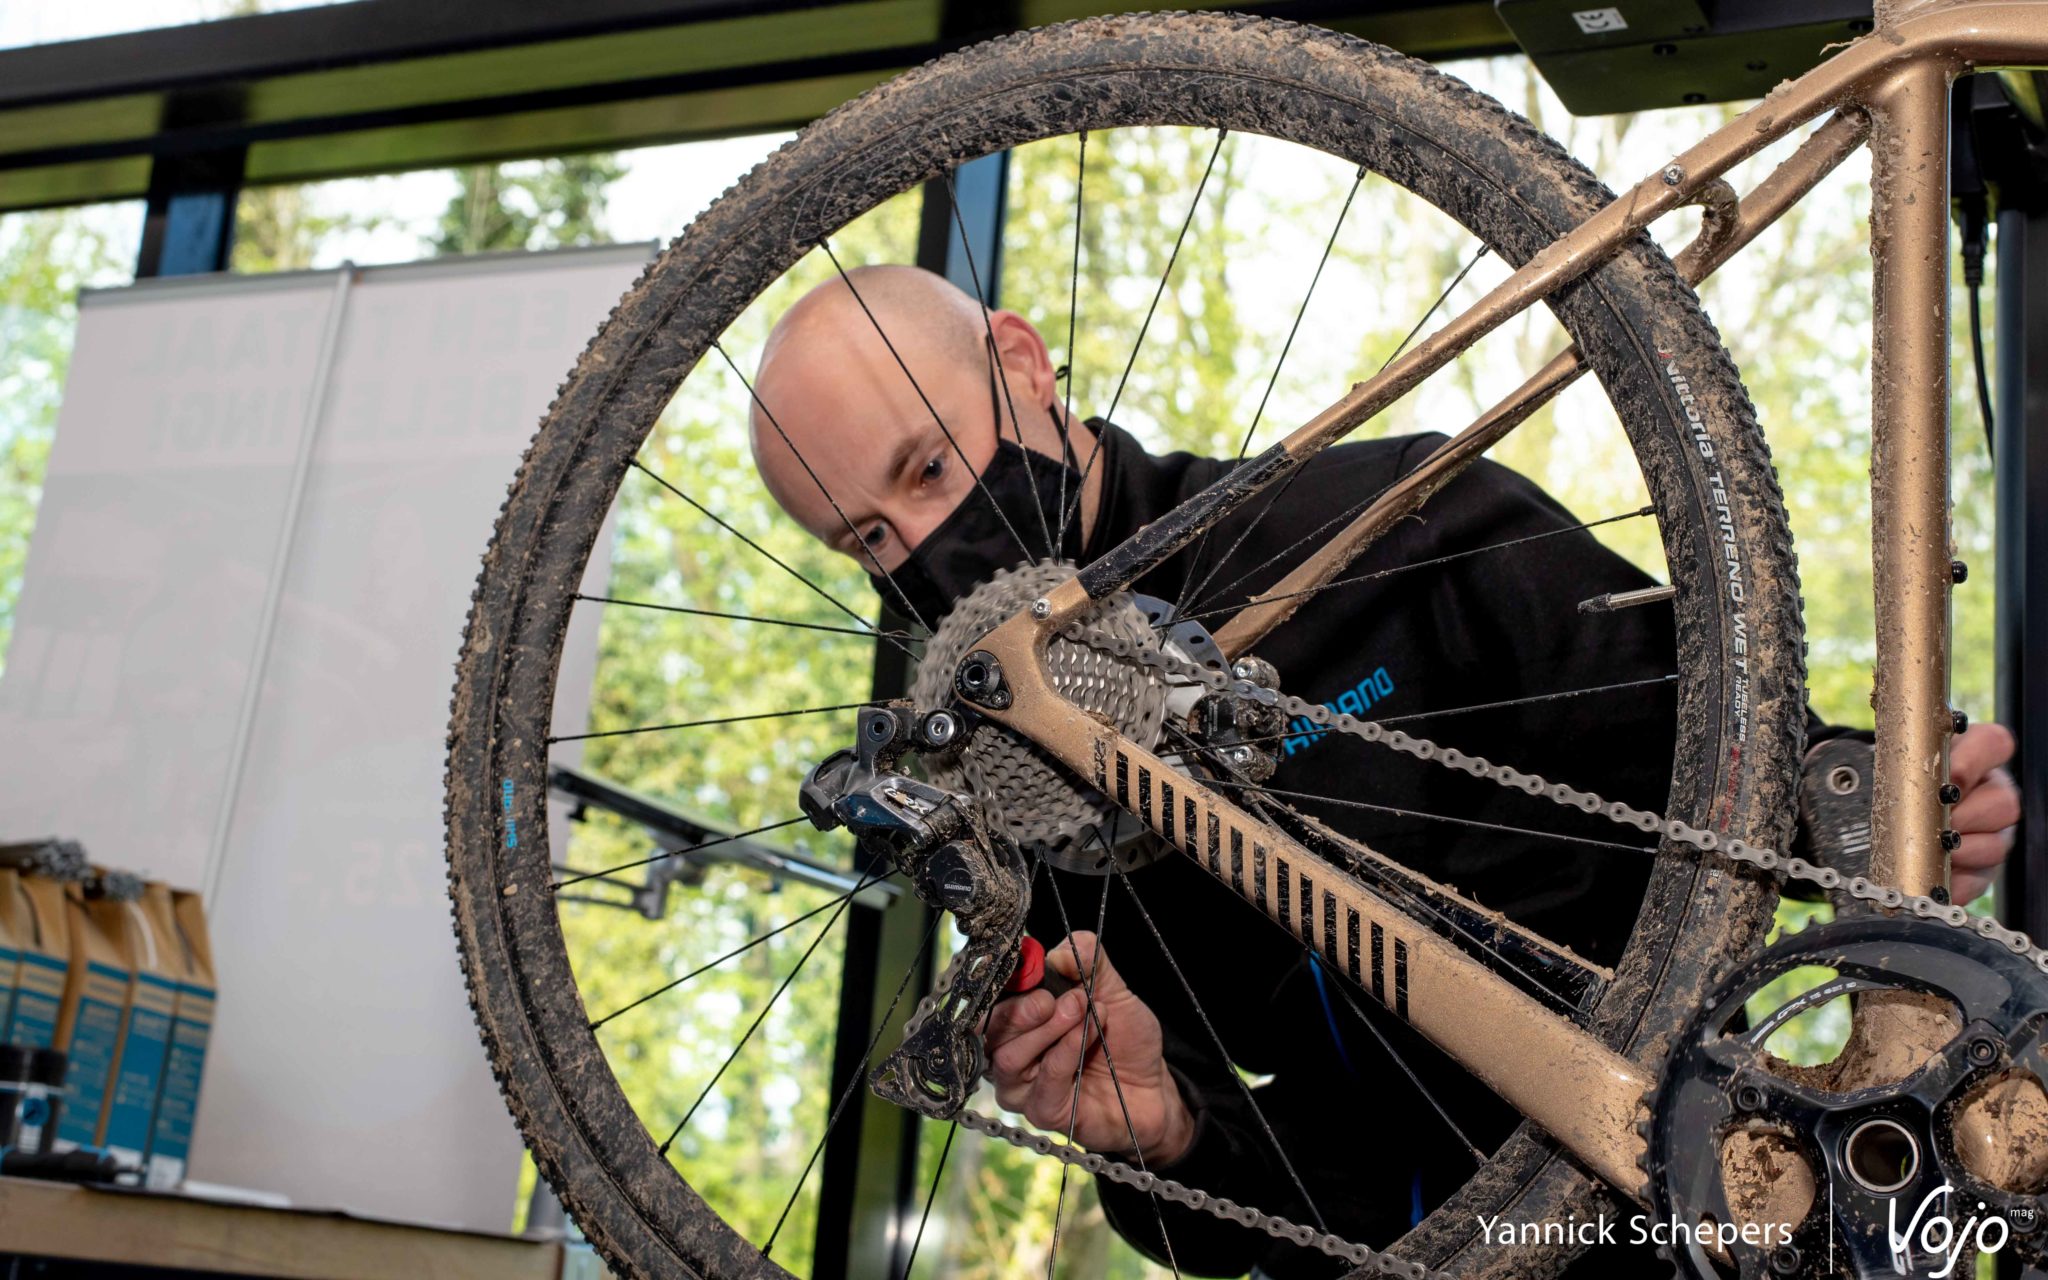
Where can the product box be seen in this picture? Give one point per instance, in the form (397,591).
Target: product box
(170,1138)
(89,1023)
(154,967)
(44,938)
(11,913)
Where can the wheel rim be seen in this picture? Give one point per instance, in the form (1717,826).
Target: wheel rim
(531,937)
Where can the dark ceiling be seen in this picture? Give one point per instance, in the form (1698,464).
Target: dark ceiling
(375,86)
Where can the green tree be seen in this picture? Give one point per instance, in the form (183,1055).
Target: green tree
(535,204)
(45,258)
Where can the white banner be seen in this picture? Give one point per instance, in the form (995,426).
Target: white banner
(296,476)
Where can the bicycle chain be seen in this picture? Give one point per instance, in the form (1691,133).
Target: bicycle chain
(1828,879)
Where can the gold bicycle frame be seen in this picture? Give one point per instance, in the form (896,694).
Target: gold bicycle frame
(1561,1077)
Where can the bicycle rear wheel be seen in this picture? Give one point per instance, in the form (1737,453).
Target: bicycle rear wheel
(1658,359)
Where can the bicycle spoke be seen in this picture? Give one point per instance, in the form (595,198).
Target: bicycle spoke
(699,724)
(1088,1018)
(1164,276)
(944,430)
(1188,588)
(578,877)
(747,617)
(1478,1156)
(858,1078)
(762,1016)
(1281,492)
(708,514)
(1314,732)
(804,462)
(995,366)
(1216,1038)
(1073,336)
(1434,561)
(1279,794)
(1416,902)
(742,949)
(1534,697)
(910,1259)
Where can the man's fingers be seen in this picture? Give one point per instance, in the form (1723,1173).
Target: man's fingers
(1965,886)
(1980,852)
(1019,1058)
(1054,1087)
(1016,1015)
(1992,806)
(1082,959)
(1976,751)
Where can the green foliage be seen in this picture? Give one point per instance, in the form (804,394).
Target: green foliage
(45,258)
(528,205)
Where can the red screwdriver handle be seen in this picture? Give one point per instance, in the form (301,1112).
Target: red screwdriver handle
(1034,974)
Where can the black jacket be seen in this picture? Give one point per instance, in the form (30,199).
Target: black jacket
(1452,631)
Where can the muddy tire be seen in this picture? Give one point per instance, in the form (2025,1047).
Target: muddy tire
(1660,361)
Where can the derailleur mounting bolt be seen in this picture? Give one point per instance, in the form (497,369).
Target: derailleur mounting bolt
(939,728)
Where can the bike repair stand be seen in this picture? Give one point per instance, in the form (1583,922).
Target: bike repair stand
(1999,175)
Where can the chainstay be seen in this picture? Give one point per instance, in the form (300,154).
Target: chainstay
(1782,866)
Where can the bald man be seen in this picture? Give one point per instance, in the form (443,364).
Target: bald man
(930,515)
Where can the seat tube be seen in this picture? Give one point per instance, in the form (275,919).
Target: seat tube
(1909,468)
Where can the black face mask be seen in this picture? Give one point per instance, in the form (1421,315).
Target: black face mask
(974,543)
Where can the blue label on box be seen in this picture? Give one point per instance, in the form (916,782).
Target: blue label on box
(37,1002)
(95,1034)
(133,1102)
(170,1138)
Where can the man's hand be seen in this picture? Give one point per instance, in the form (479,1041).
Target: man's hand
(1989,807)
(1036,1043)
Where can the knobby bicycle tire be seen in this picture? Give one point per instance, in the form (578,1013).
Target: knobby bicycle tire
(1661,363)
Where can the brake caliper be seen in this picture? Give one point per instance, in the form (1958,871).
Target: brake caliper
(956,859)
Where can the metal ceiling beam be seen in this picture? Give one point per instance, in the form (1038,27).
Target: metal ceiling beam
(386,85)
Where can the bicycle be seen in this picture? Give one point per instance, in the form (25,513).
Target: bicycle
(1651,1081)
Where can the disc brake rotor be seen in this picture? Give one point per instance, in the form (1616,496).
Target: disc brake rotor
(1039,803)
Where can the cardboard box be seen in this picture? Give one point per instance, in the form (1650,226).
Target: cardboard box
(89,1023)
(154,967)
(12,911)
(45,942)
(170,1137)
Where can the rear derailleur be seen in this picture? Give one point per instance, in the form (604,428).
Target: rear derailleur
(955,858)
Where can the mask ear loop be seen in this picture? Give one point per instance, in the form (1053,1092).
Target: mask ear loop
(1059,424)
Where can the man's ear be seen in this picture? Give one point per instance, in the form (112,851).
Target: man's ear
(1025,361)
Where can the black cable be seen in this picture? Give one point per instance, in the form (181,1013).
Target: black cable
(1976,225)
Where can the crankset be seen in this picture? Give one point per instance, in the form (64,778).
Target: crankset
(1860,1167)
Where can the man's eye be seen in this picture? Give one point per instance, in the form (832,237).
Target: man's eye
(933,470)
(877,534)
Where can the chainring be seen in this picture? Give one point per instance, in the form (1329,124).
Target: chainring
(1738,1136)
(1038,802)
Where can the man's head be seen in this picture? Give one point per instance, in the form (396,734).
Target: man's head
(872,438)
